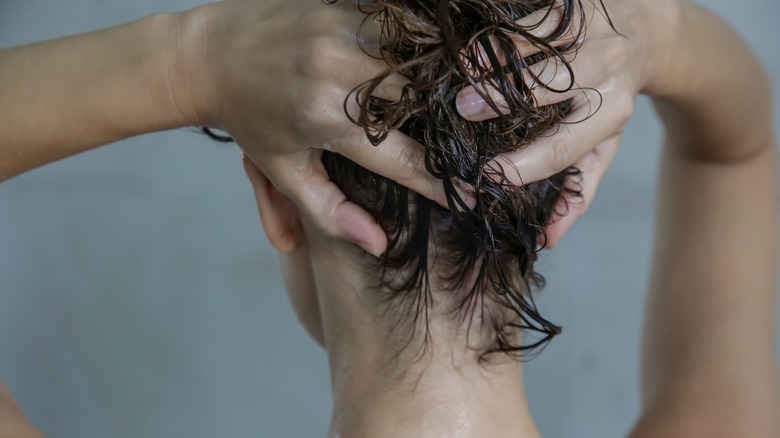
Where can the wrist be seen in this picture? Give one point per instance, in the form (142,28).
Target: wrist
(148,99)
(75,93)
(191,88)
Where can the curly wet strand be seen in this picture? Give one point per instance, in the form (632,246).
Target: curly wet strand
(489,251)
(441,47)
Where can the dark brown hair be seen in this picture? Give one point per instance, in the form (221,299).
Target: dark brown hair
(487,252)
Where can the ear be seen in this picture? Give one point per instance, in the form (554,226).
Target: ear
(279,215)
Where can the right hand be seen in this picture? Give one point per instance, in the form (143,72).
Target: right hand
(274,74)
(611,67)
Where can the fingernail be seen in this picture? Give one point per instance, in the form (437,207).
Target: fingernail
(470,103)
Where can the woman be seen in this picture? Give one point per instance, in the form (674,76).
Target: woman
(313,232)
(428,352)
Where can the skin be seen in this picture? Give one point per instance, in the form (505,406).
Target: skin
(447,393)
(610,70)
(719,157)
(203,68)
(721,378)
(709,366)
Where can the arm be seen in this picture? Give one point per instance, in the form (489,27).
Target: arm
(68,95)
(641,54)
(274,74)
(709,366)
(71,94)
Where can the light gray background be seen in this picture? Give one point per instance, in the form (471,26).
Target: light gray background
(140,298)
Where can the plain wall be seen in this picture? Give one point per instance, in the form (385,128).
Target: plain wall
(140,297)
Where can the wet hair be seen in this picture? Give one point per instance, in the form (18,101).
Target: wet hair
(484,255)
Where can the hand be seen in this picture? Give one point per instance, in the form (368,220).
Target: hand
(275,74)
(610,67)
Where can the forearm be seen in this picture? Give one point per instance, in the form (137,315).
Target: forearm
(709,364)
(64,96)
(709,341)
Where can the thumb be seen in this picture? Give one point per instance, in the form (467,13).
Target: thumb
(306,182)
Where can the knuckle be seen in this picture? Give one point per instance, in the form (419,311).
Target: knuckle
(327,227)
(322,217)
(623,108)
(329,224)
(558,157)
(319,109)
(435,191)
(411,163)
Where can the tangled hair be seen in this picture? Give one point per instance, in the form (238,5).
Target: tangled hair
(485,254)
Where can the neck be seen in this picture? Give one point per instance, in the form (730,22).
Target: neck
(445,394)
(384,388)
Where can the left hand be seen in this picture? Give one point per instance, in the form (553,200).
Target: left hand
(275,75)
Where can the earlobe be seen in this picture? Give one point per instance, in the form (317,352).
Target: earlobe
(279,215)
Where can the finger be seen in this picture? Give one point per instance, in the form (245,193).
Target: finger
(555,75)
(547,25)
(398,158)
(568,209)
(348,68)
(551,81)
(305,181)
(344,68)
(391,88)
(555,80)
(370,31)
(536,32)
(473,106)
(401,159)
(587,126)
(342,65)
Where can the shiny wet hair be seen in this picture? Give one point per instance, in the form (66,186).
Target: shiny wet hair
(484,255)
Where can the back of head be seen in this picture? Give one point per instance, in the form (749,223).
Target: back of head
(478,259)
